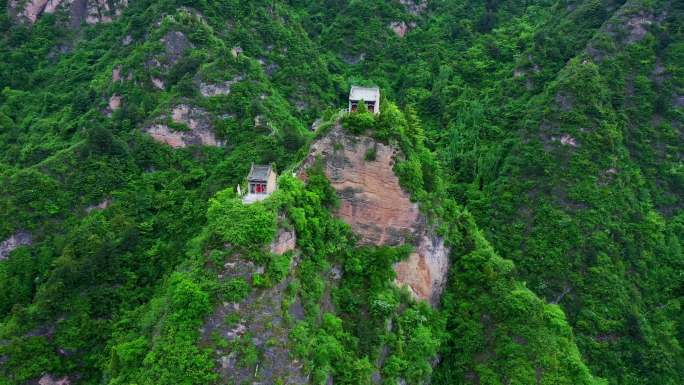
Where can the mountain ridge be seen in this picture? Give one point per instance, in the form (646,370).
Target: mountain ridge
(548,133)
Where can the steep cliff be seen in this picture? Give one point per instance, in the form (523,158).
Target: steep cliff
(377,208)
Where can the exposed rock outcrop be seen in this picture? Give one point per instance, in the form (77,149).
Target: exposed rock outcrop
(624,28)
(48,379)
(199,129)
(256,320)
(102,11)
(378,210)
(100,206)
(157,83)
(116,74)
(399,27)
(351,59)
(34,8)
(176,44)
(180,139)
(637,27)
(236,51)
(20,238)
(425,270)
(566,140)
(285,241)
(114,102)
(90,11)
(215,89)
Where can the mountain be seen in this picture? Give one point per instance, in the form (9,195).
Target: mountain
(513,215)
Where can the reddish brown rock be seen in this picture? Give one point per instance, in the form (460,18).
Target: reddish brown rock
(114,102)
(376,207)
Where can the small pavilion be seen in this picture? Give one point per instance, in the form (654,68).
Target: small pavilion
(368,95)
(261,182)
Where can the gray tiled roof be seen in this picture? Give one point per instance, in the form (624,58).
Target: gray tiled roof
(368,94)
(259,173)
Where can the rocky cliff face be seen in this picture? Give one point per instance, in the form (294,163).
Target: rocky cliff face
(77,11)
(378,210)
(261,319)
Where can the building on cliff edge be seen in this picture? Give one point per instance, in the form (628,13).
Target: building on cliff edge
(368,95)
(261,182)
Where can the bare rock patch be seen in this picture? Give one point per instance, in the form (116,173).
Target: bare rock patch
(354,58)
(199,131)
(90,11)
(34,8)
(257,320)
(181,139)
(236,51)
(116,74)
(637,27)
(285,241)
(100,206)
(48,379)
(215,89)
(114,102)
(157,83)
(400,28)
(566,140)
(20,238)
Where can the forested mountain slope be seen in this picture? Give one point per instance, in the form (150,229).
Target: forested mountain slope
(542,141)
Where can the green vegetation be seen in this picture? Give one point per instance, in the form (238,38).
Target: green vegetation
(542,139)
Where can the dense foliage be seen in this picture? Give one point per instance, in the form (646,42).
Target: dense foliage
(543,138)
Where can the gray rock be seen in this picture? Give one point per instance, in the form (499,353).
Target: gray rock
(354,59)
(20,238)
(316,124)
(176,44)
(215,89)
(196,119)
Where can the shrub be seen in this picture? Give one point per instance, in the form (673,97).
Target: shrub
(360,121)
(235,290)
(371,154)
(238,224)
